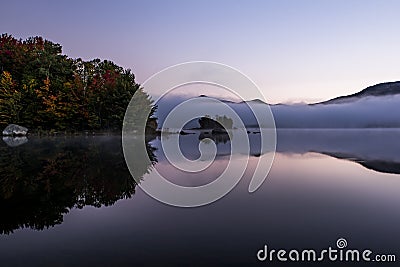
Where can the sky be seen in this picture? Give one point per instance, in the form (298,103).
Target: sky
(295,51)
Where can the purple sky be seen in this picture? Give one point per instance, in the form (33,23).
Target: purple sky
(293,50)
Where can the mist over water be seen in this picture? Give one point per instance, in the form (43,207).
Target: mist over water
(366,112)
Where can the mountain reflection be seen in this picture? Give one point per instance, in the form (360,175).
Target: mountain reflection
(43,179)
(384,166)
(374,149)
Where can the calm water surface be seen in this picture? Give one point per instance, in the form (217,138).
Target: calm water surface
(72,202)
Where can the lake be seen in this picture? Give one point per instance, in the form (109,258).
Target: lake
(71,201)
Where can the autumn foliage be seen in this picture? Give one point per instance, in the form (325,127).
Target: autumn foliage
(41,88)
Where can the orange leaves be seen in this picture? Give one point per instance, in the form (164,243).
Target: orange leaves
(43,88)
(46,84)
(6,81)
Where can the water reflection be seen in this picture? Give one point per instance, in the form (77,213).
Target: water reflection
(374,149)
(43,179)
(12,141)
(216,137)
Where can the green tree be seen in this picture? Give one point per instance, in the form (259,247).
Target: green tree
(10,100)
(42,88)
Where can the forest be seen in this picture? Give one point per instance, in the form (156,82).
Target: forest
(45,90)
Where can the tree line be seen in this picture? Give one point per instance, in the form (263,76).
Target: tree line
(41,88)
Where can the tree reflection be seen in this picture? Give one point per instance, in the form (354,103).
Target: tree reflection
(216,137)
(45,178)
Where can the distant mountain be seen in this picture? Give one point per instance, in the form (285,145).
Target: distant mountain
(255,101)
(215,98)
(377,106)
(381,89)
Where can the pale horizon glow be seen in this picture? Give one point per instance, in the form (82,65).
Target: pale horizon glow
(295,51)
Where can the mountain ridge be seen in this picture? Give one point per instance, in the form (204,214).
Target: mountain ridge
(380,89)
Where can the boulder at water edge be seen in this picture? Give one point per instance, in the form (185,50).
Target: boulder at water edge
(15,130)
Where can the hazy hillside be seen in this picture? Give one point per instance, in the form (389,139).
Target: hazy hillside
(377,106)
(381,89)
